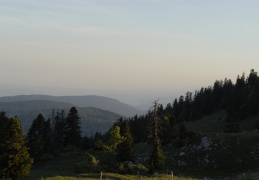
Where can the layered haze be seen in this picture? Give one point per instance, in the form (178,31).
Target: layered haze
(135,51)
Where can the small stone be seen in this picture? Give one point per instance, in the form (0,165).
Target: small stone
(182,154)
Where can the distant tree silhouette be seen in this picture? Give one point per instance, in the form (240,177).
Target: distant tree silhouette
(39,136)
(72,128)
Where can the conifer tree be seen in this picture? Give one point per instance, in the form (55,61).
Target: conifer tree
(59,130)
(36,135)
(73,129)
(14,157)
(114,138)
(47,136)
(124,149)
(3,121)
(157,159)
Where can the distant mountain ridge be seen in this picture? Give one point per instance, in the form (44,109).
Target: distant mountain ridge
(92,119)
(100,102)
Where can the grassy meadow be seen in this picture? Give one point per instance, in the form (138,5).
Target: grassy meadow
(111,176)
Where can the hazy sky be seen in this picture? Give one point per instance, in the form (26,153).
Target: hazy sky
(145,45)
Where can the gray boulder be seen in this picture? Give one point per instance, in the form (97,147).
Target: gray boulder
(205,142)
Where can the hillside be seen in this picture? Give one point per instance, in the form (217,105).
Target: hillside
(216,156)
(92,119)
(223,107)
(100,102)
(215,123)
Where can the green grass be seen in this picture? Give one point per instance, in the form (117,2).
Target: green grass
(254,176)
(62,167)
(112,176)
(59,165)
(215,123)
(231,154)
(244,176)
(249,123)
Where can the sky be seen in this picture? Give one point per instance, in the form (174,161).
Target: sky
(127,49)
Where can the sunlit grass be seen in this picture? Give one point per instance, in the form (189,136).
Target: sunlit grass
(112,176)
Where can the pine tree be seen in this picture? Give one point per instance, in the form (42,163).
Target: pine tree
(36,135)
(59,130)
(114,138)
(157,159)
(14,158)
(73,129)
(124,149)
(47,136)
(3,121)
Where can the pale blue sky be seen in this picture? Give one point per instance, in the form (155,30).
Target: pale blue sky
(159,45)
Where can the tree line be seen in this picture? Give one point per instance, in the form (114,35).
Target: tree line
(55,133)
(58,134)
(239,100)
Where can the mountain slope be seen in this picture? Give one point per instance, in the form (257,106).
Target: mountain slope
(104,103)
(215,123)
(92,119)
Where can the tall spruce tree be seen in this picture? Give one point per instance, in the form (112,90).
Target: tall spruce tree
(37,136)
(157,159)
(59,130)
(124,149)
(14,157)
(73,129)
(3,123)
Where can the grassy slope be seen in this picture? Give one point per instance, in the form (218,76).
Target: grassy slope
(215,122)
(56,166)
(226,151)
(212,123)
(62,168)
(111,176)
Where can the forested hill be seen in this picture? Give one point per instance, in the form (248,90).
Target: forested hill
(92,119)
(100,102)
(237,100)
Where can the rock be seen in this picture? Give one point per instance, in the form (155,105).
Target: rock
(205,143)
(206,161)
(238,160)
(205,178)
(182,154)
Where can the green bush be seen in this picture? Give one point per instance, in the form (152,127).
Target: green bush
(89,165)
